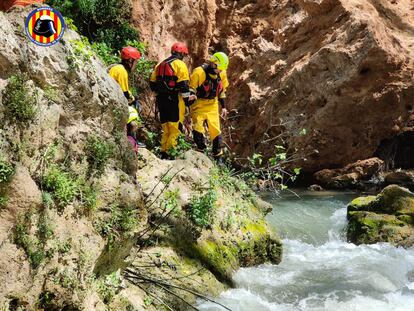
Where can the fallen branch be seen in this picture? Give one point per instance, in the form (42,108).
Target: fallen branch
(159,181)
(160,283)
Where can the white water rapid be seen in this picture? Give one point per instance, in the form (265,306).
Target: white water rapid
(320,271)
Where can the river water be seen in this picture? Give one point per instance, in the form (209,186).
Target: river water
(320,271)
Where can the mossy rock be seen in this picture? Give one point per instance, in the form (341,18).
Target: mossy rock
(387,217)
(254,246)
(361,203)
(392,200)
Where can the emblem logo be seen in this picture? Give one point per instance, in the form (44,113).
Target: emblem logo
(45,26)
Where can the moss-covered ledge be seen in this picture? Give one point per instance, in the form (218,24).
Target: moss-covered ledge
(387,217)
(232,234)
(225,253)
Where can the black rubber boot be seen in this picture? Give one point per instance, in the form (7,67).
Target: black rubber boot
(164,156)
(199,140)
(217,146)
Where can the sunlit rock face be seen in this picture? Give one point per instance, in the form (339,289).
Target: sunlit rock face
(341,70)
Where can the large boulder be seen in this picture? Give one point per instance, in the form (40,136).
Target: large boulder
(351,176)
(387,217)
(403,178)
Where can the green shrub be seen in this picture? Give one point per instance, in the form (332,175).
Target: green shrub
(19,104)
(61,185)
(105,52)
(201,207)
(89,199)
(182,146)
(6,171)
(44,228)
(98,152)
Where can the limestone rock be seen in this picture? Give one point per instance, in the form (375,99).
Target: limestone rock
(351,174)
(237,236)
(387,217)
(22,192)
(403,177)
(75,98)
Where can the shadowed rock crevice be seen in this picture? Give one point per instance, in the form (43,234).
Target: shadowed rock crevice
(398,152)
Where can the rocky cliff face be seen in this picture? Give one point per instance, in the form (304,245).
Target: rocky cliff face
(332,77)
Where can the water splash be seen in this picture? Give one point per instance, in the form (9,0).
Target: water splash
(320,271)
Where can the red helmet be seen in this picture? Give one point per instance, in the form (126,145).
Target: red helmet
(179,47)
(130,52)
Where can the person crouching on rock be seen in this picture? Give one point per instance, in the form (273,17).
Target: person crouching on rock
(119,72)
(133,125)
(209,83)
(170,82)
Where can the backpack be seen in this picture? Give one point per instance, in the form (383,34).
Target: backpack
(211,87)
(166,78)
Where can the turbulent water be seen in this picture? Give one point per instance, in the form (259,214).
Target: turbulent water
(320,271)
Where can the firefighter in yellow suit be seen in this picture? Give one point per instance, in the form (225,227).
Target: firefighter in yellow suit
(209,83)
(170,82)
(119,72)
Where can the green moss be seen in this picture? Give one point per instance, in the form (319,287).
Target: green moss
(368,227)
(408,219)
(404,205)
(222,260)
(254,246)
(394,198)
(256,228)
(361,203)
(119,224)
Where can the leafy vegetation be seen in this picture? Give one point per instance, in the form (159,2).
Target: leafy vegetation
(104,23)
(20,105)
(201,206)
(99,20)
(182,146)
(109,286)
(121,221)
(34,246)
(3,201)
(51,93)
(61,185)
(89,199)
(6,171)
(81,53)
(272,170)
(98,153)
(170,201)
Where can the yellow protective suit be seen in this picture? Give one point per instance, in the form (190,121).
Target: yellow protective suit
(120,74)
(171,105)
(204,109)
